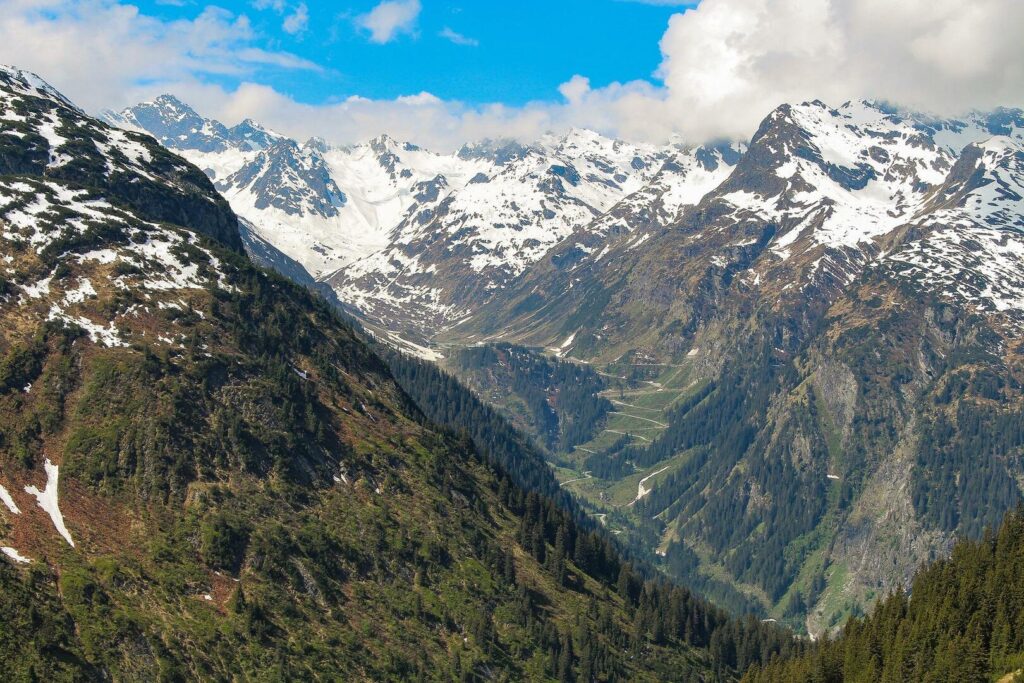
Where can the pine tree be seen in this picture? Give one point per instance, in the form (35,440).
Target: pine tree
(565,660)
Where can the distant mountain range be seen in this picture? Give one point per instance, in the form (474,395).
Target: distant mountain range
(415,241)
(808,341)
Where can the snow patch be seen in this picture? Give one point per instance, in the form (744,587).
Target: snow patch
(14,555)
(84,291)
(47,500)
(5,496)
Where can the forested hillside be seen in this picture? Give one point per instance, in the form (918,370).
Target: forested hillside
(732,642)
(963,621)
(557,401)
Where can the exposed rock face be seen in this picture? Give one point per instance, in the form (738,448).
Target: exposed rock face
(837,387)
(290,178)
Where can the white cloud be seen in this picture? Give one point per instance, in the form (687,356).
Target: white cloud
(297,21)
(575,89)
(458,38)
(276,5)
(284,60)
(389,19)
(728,62)
(428,120)
(98,51)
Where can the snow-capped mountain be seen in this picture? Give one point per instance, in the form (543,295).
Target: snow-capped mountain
(415,241)
(838,186)
(683,179)
(407,236)
(819,194)
(66,146)
(970,247)
(322,206)
(179,127)
(841,178)
(92,212)
(454,249)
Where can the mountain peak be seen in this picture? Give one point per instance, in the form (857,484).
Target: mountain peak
(385,144)
(28,83)
(581,138)
(500,151)
(171,105)
(252,136)
(583,134)
(175,124)
(168,99)
(318,144)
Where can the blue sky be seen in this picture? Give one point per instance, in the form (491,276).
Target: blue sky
(475,51)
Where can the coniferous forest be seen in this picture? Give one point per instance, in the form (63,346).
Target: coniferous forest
(963,620)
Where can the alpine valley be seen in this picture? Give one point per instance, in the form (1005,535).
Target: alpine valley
(786,371)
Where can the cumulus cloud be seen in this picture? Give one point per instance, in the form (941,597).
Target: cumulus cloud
(389,19)
(727,62)
(424,118)
(457,38)
(438,124)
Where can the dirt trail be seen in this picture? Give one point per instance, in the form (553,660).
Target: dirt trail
(586,475)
